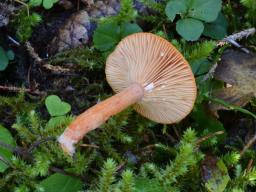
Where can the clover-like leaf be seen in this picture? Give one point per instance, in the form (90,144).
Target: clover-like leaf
(175,7)
(48,4)
(205,10)
(190,29)
(128,29)
(56,107)
(107,35)
(216,29)
(5,137)
(35,2)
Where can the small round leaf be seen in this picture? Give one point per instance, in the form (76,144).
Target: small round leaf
(216,29)
(175,7)
(205,10)
(190,29)
(48,4)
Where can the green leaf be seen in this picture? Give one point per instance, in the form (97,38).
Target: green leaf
(175,7)
(5,137)
(56,107)
(205,122)
(48,4)
(147,185)
(61,183)
(190,29)
(200,66)
(107,35)
(128,29)
(3,59)
(216,29)
(205,10)
(35,2)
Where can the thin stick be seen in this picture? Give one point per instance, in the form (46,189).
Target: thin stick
(39,60)
(249,166)
(199,141)
(236,36)
(248,145)
(13,40)
(14,89)
(90,145)
(33,91)
(25,4)
(37,143)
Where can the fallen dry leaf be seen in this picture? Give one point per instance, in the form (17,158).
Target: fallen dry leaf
(238,70)
(73,34)
(79,27)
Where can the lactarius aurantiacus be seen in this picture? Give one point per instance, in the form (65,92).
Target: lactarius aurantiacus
(145,71)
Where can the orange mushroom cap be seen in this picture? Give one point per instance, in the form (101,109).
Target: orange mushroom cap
(165,75)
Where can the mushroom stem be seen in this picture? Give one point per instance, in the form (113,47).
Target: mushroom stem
(98,114)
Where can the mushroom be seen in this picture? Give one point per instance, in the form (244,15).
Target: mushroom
(148,72)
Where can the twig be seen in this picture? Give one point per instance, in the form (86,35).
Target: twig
(176,132)
(249,166)
(13,40)
(199,141)
(237,36)
(20,89)
(35,56)
(14,89)
(232,40)
(25,4)
(89,145)
(33,53)
(210,72)
(22,152)
(37,143)
(63,172)
(248,145)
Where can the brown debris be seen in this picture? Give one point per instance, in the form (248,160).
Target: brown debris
(238,70)
(73,34)
(5,12)
(79,28)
